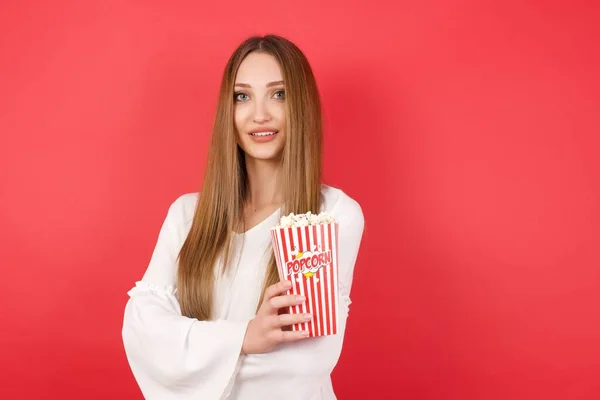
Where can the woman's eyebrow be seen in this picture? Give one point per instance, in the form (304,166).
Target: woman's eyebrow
(276,83)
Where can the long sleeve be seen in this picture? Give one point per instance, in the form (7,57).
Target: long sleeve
(306,364)
(172,356)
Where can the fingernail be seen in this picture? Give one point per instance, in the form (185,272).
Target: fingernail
(304,333)
(287,284)
(300,298)
(307,317)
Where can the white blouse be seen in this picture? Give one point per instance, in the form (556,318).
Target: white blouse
(176,357)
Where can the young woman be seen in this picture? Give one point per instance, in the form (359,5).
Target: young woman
(206,320)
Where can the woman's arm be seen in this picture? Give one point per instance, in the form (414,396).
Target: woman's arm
(172,356)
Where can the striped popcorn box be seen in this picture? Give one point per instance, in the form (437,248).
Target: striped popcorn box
(306,251)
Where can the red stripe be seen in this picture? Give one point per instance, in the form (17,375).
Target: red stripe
(284,244)
(309,286)
(333,291)
(309,283)
(298,308)
(321,302)
(283,253)
(306,281)
(325,278)
(302,280)
(318,301)
(274,235)
(281,264)
(285,259)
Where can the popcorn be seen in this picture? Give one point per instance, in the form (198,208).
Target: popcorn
(308,219)
(306,250)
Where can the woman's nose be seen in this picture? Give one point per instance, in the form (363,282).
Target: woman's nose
(261,113)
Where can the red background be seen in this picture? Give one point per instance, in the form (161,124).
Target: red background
(467,130)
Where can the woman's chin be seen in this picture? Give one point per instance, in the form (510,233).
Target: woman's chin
(263,152)
(264,155)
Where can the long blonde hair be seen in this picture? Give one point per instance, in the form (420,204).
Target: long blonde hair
(220,203)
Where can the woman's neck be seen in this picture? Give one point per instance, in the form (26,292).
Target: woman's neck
(263,183)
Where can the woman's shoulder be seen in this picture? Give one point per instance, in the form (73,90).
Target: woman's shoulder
(181,211)
(343,207)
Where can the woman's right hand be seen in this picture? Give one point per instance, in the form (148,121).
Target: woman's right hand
(265,331)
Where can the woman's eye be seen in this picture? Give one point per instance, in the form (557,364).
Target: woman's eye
(280,94)
(240,96)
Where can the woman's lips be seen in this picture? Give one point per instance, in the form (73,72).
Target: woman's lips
(263,137)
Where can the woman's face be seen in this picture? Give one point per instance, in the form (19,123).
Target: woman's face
(259,100)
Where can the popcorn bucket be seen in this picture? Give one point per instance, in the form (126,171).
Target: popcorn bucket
(307,256)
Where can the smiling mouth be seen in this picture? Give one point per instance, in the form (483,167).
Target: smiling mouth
(262,134)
